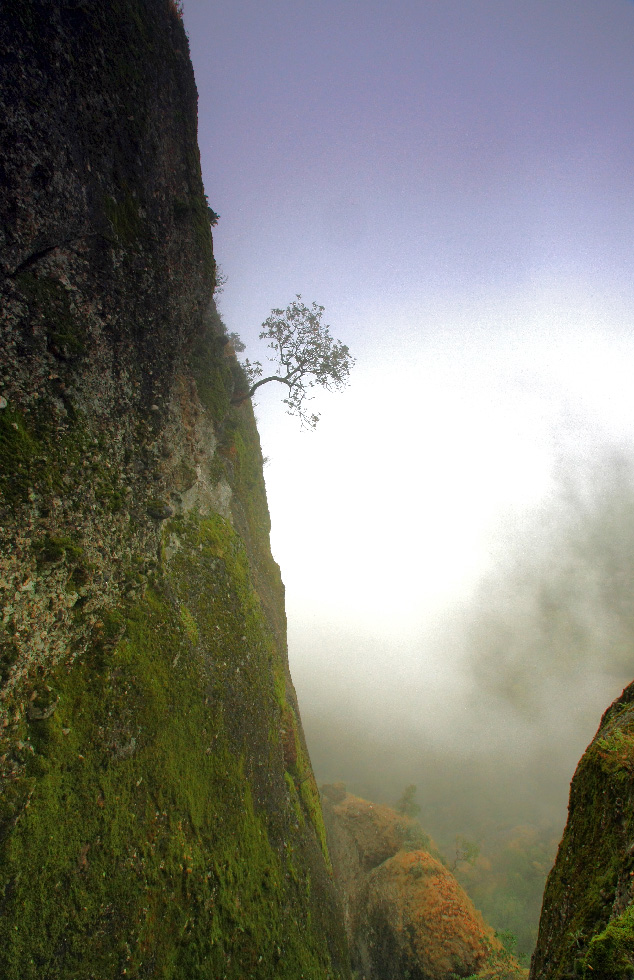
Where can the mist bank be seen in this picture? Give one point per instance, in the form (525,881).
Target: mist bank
(488,708)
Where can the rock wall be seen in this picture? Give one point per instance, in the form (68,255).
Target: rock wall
(587,922)
(158,813)
(405,913)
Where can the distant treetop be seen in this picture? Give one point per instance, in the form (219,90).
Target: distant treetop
(407,804)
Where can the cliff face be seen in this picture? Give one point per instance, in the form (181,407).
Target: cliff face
(405,913)
(587,922)
(158,814)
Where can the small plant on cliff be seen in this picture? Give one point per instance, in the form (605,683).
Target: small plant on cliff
(306,355)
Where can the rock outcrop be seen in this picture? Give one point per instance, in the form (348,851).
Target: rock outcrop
(405,913)
(587,922)
(158,813)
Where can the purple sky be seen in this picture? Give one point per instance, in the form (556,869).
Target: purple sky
(381,154)
(453,181)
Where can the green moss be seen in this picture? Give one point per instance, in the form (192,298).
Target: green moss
(141,849)
(294,798)
(300,774)
(220,595)
(158,508)
(280,689)
(610,954)
(616,752)
(8,653)
(211,368)
(242,445)
(593,863)
(50,550)
(189,624)
(112,497)
(37,456)
(19,451)
(249,478)
(309,795)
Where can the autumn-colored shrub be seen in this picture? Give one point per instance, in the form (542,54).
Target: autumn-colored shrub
(407,915)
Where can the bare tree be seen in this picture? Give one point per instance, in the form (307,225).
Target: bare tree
(306,355)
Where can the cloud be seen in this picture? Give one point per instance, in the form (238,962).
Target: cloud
(559,610)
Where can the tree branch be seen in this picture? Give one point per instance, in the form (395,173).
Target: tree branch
(242,397)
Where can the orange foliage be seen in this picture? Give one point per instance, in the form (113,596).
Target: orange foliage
(435,920)
(405,909)
(377,830)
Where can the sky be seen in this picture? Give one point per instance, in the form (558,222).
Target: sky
(452,181)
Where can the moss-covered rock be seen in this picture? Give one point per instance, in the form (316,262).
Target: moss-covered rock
(405,913)
(587,923)
(155,833)
(152,819)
